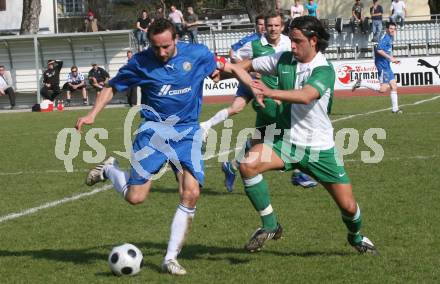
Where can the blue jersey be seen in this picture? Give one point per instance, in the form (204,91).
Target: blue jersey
(385,44)
(171,88)
(312,9)
(239,44)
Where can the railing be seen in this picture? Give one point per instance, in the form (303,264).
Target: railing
(26,56)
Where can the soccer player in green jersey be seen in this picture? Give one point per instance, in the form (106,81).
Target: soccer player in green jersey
(271,42)
(306,82)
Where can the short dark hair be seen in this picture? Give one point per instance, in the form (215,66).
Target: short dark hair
(73,67)
(259,17)
(388,24)
(273,14)
(159,26)
(310,26)
(2,66)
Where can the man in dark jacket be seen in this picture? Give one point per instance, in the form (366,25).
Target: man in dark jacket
(98,77)
(51,79)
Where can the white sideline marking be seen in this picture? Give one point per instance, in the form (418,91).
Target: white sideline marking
(385,109)
(418,157)
(52,204)
(30,211)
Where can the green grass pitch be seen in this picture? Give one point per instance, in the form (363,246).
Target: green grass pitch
(70,242)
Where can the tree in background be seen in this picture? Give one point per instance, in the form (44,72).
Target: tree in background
(256,7)
(30,20)
(434,7)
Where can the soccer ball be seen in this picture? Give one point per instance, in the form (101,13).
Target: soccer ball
(125,259)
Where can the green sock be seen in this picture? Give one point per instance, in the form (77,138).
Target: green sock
(353,224)
(258,193)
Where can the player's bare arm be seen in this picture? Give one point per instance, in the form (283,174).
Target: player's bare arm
(304,96)
(101,101)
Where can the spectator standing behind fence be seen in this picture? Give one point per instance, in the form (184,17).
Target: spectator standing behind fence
(296,10)
(75,81)
(158,14)
(98,77)
(398,12)
(191,23)
(376,12)
(51,79)
(6,85)
(91,23)
(176,17)
(142,28)
(312,9)
(357,15)
(132,91)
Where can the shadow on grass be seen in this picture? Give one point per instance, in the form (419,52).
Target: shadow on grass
(232,255)
(204,191)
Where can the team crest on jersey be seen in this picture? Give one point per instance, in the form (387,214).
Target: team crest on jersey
(187,66)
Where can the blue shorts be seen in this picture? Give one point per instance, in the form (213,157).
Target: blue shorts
(243,91)
(159,143)
(386,75)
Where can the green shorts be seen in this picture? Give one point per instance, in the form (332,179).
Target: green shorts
(267,115)
(324,165)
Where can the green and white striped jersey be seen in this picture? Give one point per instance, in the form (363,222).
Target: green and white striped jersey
(303,125)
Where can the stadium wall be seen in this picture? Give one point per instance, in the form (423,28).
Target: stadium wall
(342,8)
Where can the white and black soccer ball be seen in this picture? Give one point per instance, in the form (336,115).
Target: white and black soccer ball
(125,259)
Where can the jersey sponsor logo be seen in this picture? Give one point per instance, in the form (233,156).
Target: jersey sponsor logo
(166,90)
(341,175)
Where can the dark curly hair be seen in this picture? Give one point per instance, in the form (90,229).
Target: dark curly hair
(310,27)
(159,26)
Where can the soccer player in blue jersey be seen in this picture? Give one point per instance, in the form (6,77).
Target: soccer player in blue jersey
(171,75)
(259,31)
(383,57)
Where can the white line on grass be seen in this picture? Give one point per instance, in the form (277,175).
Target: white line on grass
(385,109)
(12,216)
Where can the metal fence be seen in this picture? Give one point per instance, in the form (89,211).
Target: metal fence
(26,56)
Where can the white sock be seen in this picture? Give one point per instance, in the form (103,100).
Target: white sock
(179,228)
(220,116)
(371,86)
(118,177)
(394,101)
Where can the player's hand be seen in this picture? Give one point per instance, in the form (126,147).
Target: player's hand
(88,119)
(216,76)
(395,60)
(205,130)
(260,87)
